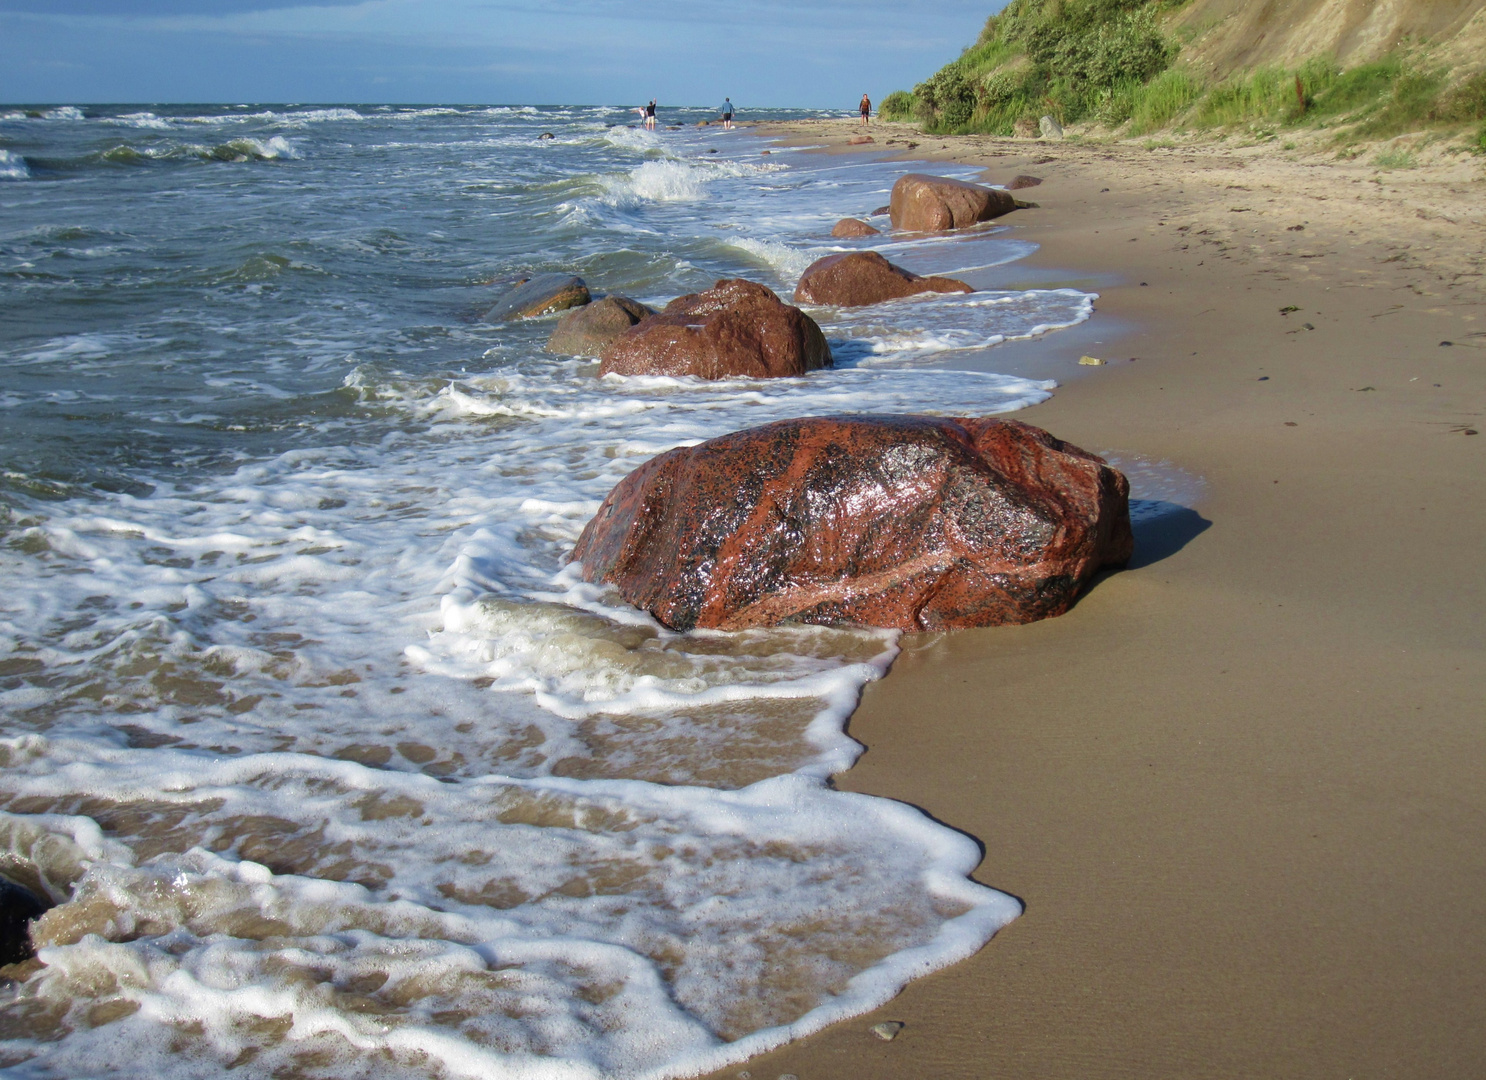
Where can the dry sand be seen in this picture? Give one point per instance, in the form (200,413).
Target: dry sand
(1241,787)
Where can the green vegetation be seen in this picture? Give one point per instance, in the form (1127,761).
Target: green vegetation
(1110,62)
(1073,59)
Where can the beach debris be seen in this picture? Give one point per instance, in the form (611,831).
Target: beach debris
(788,1076)
(915,523)
(922,203)
(735,328)
(1288,308)
(855,278)
(888,1030)
(1444,343)
(849,227)
(18,907)
(539,295)
(1295,228)
(860,140)
(1306,326)
(1090,361)
(1022,180)
(587,330)
(1049,128)
(1264,378)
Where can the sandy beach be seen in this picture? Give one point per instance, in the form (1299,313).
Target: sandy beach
(1241,787)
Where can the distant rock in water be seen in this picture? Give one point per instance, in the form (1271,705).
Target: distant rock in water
(18,906)
(923,203)
(909,522)
(880,211)
(540,295)
(735,328)
(587,330)
(544,136)
(1023,181)
(849,228)
(854,278)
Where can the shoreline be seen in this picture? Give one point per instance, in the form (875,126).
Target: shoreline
(1238,787)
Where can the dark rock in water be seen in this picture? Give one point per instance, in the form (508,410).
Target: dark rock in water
(911,522)
(544,136)
(585,331)
(936,203)
(704,123)
(853,278)
(539,295)
(712,151)
(850,227)
(1023,181)
(880,211)
(18,907)
(735,328)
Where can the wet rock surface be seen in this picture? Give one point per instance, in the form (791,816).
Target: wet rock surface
(735,328)
(909,522)
(922,203)
(850,227)
(854,278)
(18,906)
(587,330)
(539,295)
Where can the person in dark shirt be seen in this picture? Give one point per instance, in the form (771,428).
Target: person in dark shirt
(650,115)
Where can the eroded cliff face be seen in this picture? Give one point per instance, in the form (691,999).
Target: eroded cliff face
(1223,37)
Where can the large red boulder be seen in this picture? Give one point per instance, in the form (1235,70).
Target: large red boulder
(911,522)
(935,203)
(735,328)
(854,278)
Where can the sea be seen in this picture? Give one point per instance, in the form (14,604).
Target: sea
(328,759)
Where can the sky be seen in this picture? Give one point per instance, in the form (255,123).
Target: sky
(774,53)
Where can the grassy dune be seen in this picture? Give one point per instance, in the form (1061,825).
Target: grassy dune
(1137,67)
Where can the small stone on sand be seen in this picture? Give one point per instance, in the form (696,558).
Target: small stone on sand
(1090,361)
(888,1030)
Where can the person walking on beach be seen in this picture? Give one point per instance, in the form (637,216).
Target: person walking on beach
(650,115)
(727,113)
(866,108)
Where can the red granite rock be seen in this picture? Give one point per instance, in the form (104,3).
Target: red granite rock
(849,228)
(911,522)
(936,203)
(854,278)
(735,328)
(1023,181)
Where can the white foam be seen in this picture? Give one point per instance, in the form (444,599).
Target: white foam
(13,166)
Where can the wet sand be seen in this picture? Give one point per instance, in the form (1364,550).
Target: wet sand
(1241,787)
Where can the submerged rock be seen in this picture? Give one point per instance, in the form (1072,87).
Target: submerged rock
(850,227)
(923,203)
(18,906)
(540,295)
(735,328)
(587,330)
(909,522)
(853,278)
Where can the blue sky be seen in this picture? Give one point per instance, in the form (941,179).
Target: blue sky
(811,53)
